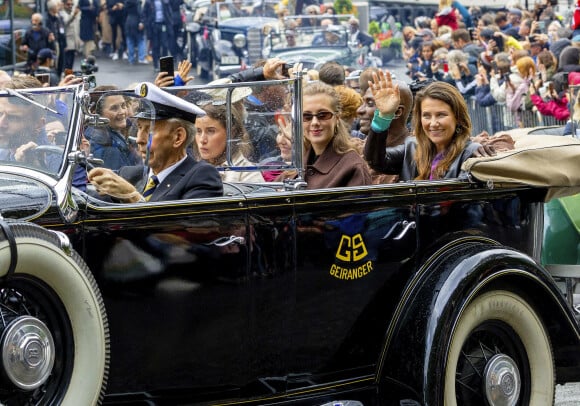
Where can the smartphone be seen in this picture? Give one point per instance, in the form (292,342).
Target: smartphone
(285,68)
(472,33)
(68,71)
(43,77)
(542,26)
(494,66)
(166,65)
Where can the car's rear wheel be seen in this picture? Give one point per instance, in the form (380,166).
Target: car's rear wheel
(54,345)
(500,354)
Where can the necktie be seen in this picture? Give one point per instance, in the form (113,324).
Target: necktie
(150,187)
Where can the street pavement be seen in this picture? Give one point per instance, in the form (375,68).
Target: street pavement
(122,74)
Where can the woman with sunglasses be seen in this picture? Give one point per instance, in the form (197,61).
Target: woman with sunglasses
(330,156)
(442,130)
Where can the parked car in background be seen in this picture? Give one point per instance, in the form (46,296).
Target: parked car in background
(6,39)
(13,31)
(313,45)
(420,292)
(231,34)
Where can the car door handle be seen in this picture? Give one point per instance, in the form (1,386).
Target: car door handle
(406,226)
(232,239)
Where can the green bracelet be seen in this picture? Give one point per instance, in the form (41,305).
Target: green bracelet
(381,124)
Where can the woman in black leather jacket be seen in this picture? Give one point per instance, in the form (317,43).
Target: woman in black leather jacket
(442,130)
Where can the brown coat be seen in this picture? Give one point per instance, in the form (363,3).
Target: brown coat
(336,170)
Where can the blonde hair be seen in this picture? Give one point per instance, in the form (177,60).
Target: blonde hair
(312,74)
(524,65)
(341,142)
(440,53)
(444,29)
(444,3)
(350,101)
(456,57)
(408,29)
(576,115)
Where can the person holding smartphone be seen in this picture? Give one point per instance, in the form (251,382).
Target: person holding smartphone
(556,104)
(45,71)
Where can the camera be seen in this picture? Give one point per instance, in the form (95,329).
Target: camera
(89,66)
(418,85)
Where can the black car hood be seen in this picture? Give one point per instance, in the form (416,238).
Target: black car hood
(22,197)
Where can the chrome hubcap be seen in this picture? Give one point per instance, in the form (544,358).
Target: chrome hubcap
(27,352)
(502,381)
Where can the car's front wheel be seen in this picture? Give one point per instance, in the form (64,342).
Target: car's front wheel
(500,354)
(54,345)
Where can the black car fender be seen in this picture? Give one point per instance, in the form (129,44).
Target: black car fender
(418,340)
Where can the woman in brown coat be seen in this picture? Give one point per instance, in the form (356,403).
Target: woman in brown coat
(330,155)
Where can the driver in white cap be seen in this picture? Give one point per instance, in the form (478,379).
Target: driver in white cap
(170,173)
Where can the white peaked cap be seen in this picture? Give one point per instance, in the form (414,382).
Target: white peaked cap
(166,104)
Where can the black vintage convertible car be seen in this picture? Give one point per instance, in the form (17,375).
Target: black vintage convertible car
(426,292)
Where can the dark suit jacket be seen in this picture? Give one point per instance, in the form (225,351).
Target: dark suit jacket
(364,39)
(190,180)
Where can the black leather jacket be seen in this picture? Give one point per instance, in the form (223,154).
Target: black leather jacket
(401,158)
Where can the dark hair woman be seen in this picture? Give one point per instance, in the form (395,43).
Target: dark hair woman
(442,130)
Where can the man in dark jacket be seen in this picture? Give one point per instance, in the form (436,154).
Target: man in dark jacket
(356,37)
(89,13)
(170,174)
(159,25)
(55,24)
(36,38)
(117,16)
(135,32)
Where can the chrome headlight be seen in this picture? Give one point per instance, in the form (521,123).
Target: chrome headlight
(240,40)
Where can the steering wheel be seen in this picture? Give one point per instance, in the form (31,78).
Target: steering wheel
(48,157)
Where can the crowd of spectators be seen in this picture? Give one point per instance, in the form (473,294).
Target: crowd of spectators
(516,57)
(139,31)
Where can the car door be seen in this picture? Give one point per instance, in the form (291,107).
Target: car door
(174,277)
(324,320)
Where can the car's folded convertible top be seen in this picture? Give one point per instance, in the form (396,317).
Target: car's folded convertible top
(537,160)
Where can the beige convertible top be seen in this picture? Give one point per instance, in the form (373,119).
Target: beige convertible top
(549,161)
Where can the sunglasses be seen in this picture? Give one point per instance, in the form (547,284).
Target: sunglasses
(320,116)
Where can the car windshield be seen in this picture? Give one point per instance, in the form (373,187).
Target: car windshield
(247,128)
(226,10)
(35,128)
(310,37)
(311,31)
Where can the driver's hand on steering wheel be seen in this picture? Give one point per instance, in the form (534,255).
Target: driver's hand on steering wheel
(109,183)
(20,154)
